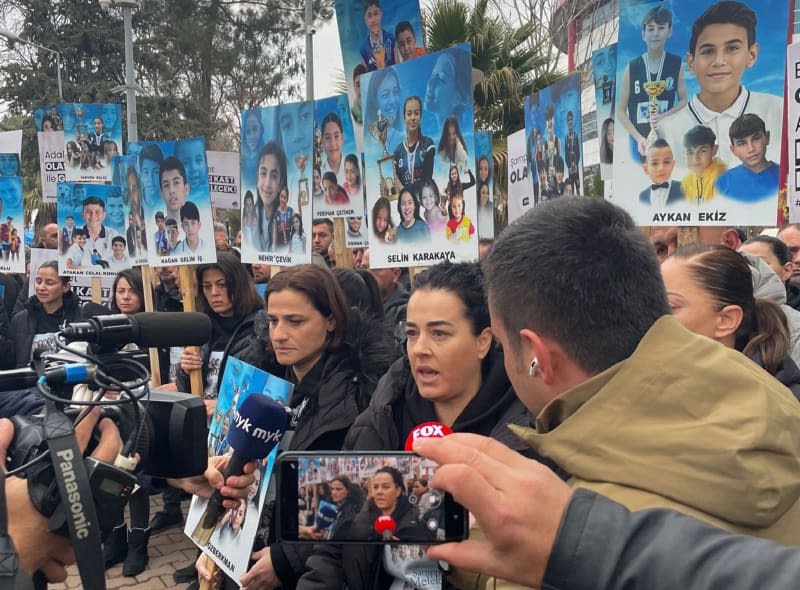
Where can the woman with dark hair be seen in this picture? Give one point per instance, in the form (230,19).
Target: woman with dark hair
(607,142)
(710,290)
(776,254)
(414,155)
(389,498)
(348,499)
(485,211)
(384,102)
(412,227)
(452,147)
(382,224)
(484,170)
(73,155)
(226,293)
(52,307)
(298,241)
(361,291)
(249,218)
(270,180)
(317,193)
(334,355)
(451,374)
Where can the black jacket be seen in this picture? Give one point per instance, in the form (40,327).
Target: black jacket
(396,408)
(33,320)
(332,394)
(787,373)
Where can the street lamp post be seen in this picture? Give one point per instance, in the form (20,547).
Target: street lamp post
(130,87)
(11,36)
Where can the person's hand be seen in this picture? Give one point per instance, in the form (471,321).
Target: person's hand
(37,548)
(518,504)
(167,387)
(190,360)
(204,565)
(641,144)
(211,404)
(233,490)
(262,575)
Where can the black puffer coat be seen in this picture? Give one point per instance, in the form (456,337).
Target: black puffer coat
(33,320)
(332,394)
(396,408)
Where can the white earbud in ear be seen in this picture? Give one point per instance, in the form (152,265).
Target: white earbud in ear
(532,372)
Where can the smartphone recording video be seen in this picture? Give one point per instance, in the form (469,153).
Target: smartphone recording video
(364,498)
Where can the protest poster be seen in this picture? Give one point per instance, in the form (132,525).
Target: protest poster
(223,179)
(793,131)
(91,221)
(555,143)
(484,187)
(277,177)
(419,153)
(231,543)
(374,36)
(11,142)
(336,161)
(126,176)
(604,72)
(176,202)
(81,285)
(52,168)
(12,247)
(700,98)
(520,188)
(92,136)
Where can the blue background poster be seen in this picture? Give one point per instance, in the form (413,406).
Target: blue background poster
(554,139)
(277,183)
(92,136)
(724,79)
(354,34)
(604,70)
(335,152)
(12,222)
(430,96)
(165,191)
(484,186)
(126,176)
(98,212)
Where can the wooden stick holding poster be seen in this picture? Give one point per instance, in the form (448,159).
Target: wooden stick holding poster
(189,293)
(147,281)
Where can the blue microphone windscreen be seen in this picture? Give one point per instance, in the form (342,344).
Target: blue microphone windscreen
(257,426)
(326,514)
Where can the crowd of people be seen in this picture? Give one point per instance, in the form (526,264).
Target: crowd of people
(658,376)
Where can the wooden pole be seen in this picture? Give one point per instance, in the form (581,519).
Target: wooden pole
(97,290)
(189,293)
(147,281)
(344,257)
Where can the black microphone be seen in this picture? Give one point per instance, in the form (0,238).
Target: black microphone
(146,329)
(257,427)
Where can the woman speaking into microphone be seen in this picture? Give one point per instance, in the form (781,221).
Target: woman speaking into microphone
(450,374)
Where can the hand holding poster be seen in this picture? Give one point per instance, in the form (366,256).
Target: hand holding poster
(277,184)
(174,191)
(712,126)
(419,149)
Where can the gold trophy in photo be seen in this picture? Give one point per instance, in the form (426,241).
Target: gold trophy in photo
(81,128)
(386,163)
(302,184)
(653,89)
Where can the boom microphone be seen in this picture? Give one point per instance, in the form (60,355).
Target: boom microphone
(257,427)
(146,329)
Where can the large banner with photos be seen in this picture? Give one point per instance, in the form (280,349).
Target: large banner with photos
(92,137)
(373,36)
(175,201)
(792,212)
(277,183)
(126,177)
(555,142)
(419,151)
(699,111)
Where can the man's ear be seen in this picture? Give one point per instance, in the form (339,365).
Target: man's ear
(534,346)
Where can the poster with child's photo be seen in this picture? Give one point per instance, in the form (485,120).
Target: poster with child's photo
(419,158)
(375,35)
(91,221)
(484,183)
(176,202)
(554,137)
(699,111)
(126,176)
(12,223)
(604,72)
(278,179)
(92,137)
